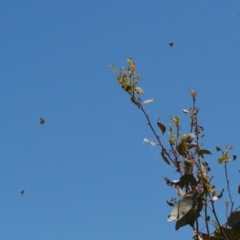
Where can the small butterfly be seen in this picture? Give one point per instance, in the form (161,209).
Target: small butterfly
(170,44)
(42,121)
(22,192)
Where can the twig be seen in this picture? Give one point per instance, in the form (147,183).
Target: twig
(228,186)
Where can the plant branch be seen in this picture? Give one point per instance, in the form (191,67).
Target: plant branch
(228,186)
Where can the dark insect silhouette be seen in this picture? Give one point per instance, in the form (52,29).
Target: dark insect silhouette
(42,121)
(170,44)
(22,192)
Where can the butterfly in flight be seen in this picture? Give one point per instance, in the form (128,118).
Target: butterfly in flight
(170,44)
(42,121)
(22,192)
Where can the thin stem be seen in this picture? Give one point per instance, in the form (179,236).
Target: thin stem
(206,218)
(227,210)
(215,215)
(194,101)
(228,186)
(156,135)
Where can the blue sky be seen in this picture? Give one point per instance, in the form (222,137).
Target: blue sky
(86,172)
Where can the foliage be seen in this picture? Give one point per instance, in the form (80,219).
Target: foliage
(197,194)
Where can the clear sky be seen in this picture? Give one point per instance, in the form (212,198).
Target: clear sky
(86,173)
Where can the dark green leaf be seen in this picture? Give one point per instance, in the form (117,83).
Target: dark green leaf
(207,218)
(213,238)
(162,127)
(187,179)
(234,218)
(170,203)
(201,152)
(199,205)
(218,148)
(192,216)
(189,218)
(181,222)
(164,157)
(231,234)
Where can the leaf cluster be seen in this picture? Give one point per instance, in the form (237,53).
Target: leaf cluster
(197,194)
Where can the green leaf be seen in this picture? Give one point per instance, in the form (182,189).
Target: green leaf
(234,218)
(220,160)
(218,148)
(224,158)
(181,223)
(201,152)
(187,179)
(135,101)
(189,218)
(164,157)
(213,238)
(162,127)
(170,203)
(231,233)
(199,205)
(192,216)
(181,208)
